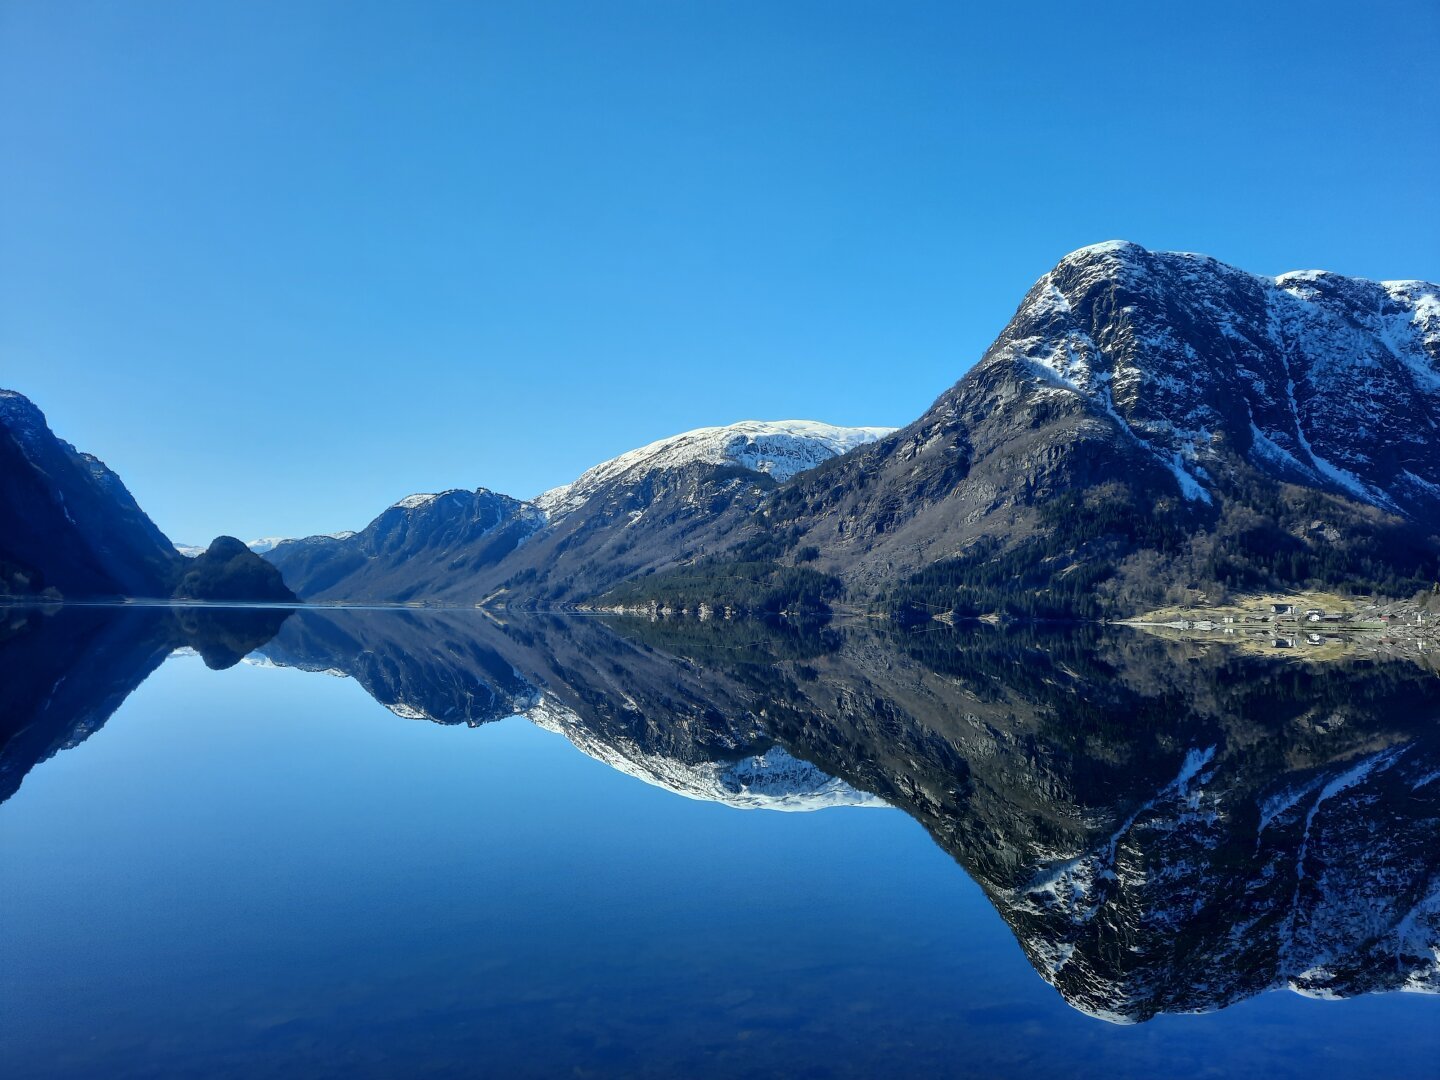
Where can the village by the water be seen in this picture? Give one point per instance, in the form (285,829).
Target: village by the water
(1319,624)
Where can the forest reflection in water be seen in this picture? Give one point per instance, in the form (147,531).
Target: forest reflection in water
(1165,826)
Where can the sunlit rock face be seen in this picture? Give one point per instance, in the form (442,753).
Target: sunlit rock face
(1134,382)
(1149,417)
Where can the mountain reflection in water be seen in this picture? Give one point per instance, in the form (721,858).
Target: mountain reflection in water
(1166,826)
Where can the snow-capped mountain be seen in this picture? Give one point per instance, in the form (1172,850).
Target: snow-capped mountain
(1164,402)
(1315,378)
(640,509)
(270,543)
(777,448)
(260,546)
(1154,421)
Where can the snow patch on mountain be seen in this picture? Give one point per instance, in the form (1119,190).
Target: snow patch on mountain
(1340,376)
(779,449)
(774,780)
(414,502)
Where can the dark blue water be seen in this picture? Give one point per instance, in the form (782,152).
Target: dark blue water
(262,871)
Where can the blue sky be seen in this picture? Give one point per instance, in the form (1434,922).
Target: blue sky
(281,264)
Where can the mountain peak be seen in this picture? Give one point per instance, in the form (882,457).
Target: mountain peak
(1106,249)
(776,448)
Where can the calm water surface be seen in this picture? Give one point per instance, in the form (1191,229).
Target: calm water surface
(704,852)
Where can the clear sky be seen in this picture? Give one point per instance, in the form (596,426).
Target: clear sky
(282,263)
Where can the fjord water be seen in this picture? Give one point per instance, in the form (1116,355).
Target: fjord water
(265,868)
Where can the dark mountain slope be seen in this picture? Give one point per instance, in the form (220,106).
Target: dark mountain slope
(228,570)
(66,521)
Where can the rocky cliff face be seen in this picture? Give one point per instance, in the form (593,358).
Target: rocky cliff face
(70,528)
(1141,400)
(1311,377)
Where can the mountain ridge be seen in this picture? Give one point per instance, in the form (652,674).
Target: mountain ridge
(1146,424)
(578,538)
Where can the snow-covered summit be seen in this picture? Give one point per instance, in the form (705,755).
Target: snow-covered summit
(419,499)
(777,448)
(1315,377)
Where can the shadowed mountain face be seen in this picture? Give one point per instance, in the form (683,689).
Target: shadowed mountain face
(1166,826)
(415,548)
(66,521)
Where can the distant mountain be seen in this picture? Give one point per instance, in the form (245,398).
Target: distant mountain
(1148,422)
(673,499)
(260,546)
(70,527)
(420,547)
(269,543)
